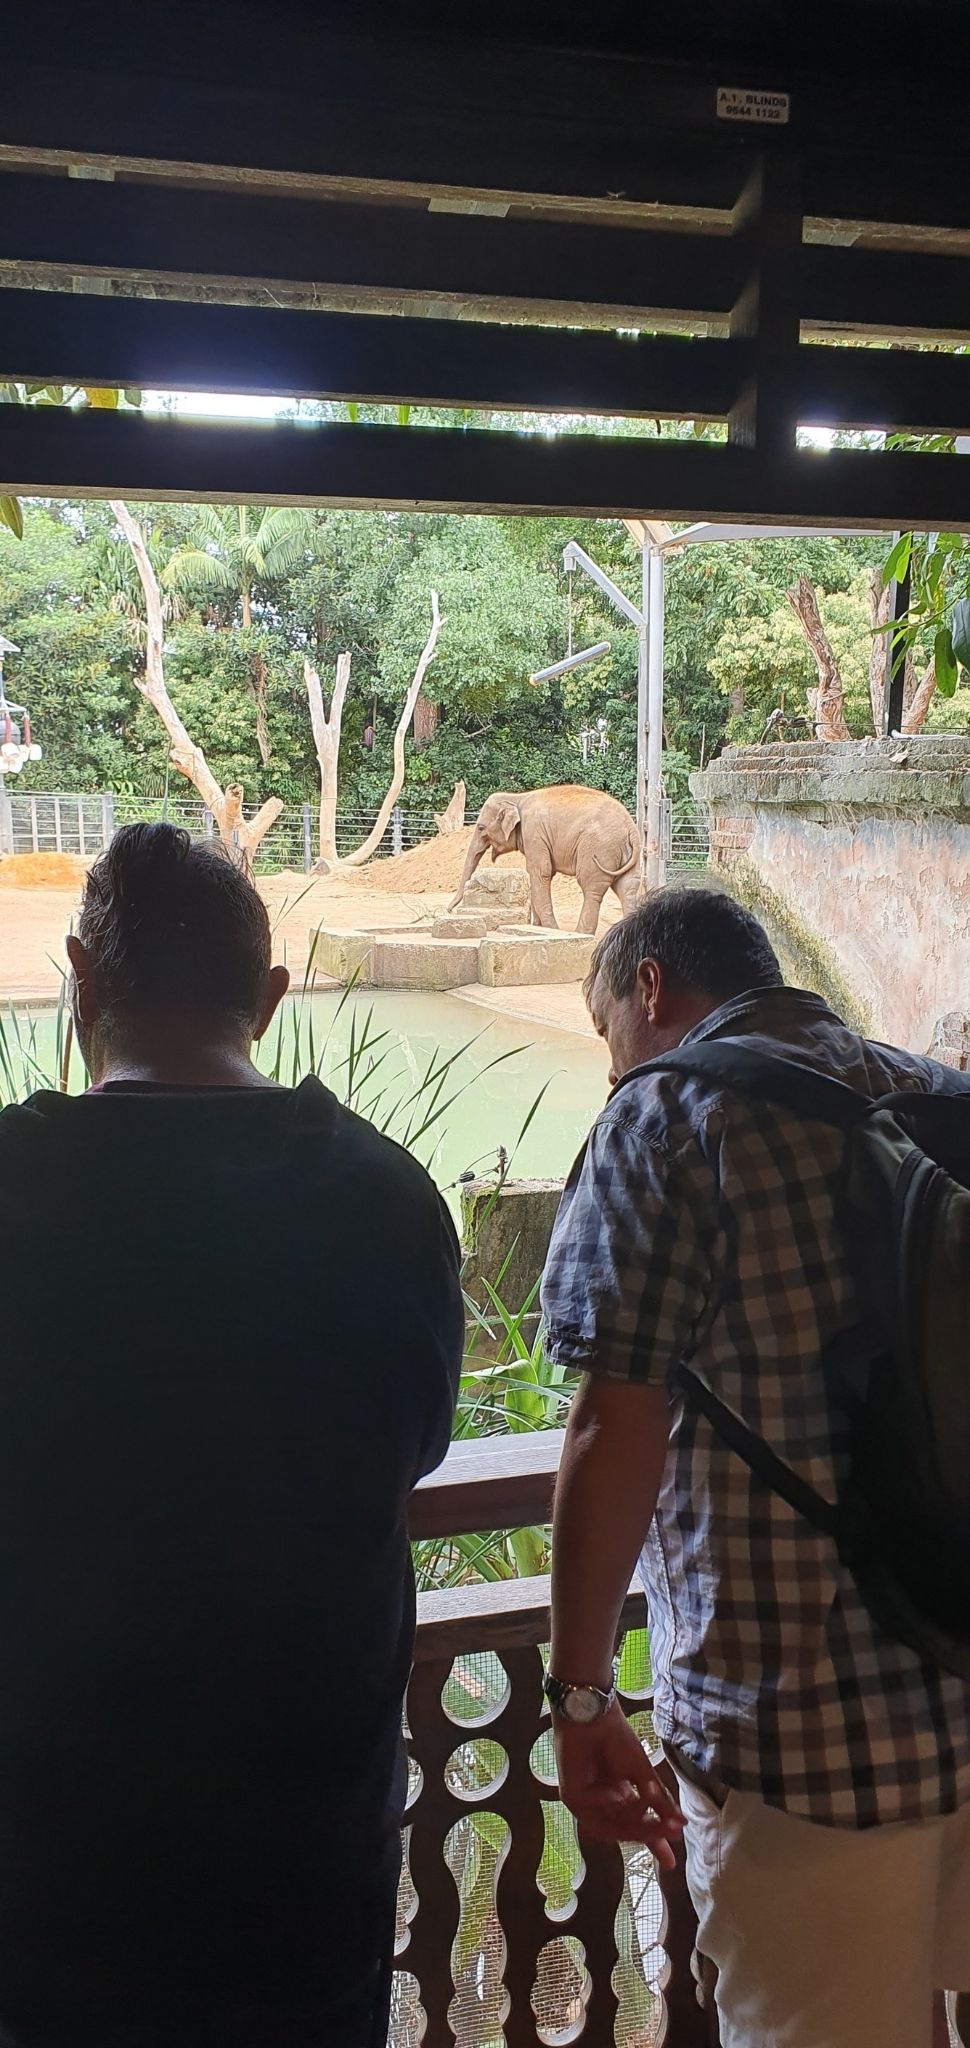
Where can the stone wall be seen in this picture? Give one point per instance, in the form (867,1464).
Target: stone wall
(857,855)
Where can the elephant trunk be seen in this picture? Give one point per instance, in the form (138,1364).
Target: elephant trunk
(476,850)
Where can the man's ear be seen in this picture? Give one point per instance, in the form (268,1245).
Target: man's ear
(85,997)
(276,987)
(653,991)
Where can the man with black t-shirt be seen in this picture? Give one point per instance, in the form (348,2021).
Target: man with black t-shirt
(242,1353)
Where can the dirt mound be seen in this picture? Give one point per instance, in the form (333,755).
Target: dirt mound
(433,867)
(41,871)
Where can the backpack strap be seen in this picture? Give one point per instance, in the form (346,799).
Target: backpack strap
(757,1455)
(787,1082)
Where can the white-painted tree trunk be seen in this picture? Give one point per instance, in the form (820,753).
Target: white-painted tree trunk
(240,835)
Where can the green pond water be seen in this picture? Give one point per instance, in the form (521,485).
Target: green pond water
(384,1046)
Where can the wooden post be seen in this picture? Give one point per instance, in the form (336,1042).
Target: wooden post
(767,225)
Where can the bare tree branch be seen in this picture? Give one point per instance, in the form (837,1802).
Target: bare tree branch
(396,784)
(240,835)
(326,739)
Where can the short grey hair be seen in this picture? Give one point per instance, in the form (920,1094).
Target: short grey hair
(701,937)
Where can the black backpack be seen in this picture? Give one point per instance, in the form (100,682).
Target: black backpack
(902,1522)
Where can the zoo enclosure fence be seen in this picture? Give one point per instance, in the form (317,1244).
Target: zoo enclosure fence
(45,821)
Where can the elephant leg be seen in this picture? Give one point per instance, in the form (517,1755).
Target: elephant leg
(589,916)
(540,884)
(627,888)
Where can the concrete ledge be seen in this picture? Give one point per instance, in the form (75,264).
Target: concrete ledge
(392,959)
(423,963)
(530,954)
(926,772)
(342,955)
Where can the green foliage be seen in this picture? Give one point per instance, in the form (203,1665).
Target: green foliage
(760,660)
(233,548)
(503,619)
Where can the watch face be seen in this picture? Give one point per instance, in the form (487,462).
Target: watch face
(583,1704)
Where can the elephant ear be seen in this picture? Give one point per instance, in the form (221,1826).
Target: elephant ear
(510,817)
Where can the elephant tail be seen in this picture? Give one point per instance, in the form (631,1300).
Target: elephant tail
(615,873)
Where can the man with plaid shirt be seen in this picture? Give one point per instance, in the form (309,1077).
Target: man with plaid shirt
(824,1768)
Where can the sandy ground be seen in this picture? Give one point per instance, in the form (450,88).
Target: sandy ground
(34,920)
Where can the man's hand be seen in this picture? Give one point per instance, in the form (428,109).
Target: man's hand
(606,1780)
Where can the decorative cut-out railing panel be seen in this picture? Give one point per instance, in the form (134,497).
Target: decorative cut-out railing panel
(510,1933)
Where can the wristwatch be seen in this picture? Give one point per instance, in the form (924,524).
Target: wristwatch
(580,1704)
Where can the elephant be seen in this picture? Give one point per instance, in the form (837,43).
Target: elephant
(566,830)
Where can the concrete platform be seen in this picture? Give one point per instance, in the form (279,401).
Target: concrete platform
(528,953)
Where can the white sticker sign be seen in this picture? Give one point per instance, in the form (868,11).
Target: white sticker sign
(738,103)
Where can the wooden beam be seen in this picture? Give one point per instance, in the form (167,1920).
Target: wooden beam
(101,454)
(767,229)
(378,112)
(501,1482)
(393,256)
(337,251)
(507,1615)
(46,337)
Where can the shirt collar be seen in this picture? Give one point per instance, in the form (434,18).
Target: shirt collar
(772,1012)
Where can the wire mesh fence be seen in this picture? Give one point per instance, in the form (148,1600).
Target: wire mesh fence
(64,822)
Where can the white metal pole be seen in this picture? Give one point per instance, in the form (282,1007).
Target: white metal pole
(654,607)
(643,663)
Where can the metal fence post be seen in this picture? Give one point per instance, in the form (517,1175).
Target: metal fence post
(107,822)
(34,841)
(397,830)
(58,841)
(307,841)
(208,825)
(6,819)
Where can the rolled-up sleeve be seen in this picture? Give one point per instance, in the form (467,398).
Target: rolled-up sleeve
(631,1271)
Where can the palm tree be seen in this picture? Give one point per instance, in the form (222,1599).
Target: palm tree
(236,546)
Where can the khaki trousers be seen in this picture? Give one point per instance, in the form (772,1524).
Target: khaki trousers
(826,1937)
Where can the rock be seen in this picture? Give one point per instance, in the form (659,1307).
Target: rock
(532,955)
(457,924)
(494,888)
(950,1042)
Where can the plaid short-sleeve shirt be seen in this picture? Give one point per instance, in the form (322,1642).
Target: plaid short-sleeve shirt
(695,1221)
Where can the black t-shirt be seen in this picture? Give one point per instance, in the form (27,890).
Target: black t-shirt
(229,1345)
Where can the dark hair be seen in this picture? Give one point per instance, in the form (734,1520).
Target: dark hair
(171,923)
(704,939)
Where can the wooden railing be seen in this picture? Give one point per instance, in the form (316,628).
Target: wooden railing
(507,1933)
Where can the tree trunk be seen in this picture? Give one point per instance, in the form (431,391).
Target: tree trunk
(247,616)
(373,840)
(239,835)
(326,739)
(426,716)
(257,682)
(880,596)
(827,703)
(452,819)
(914,714)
